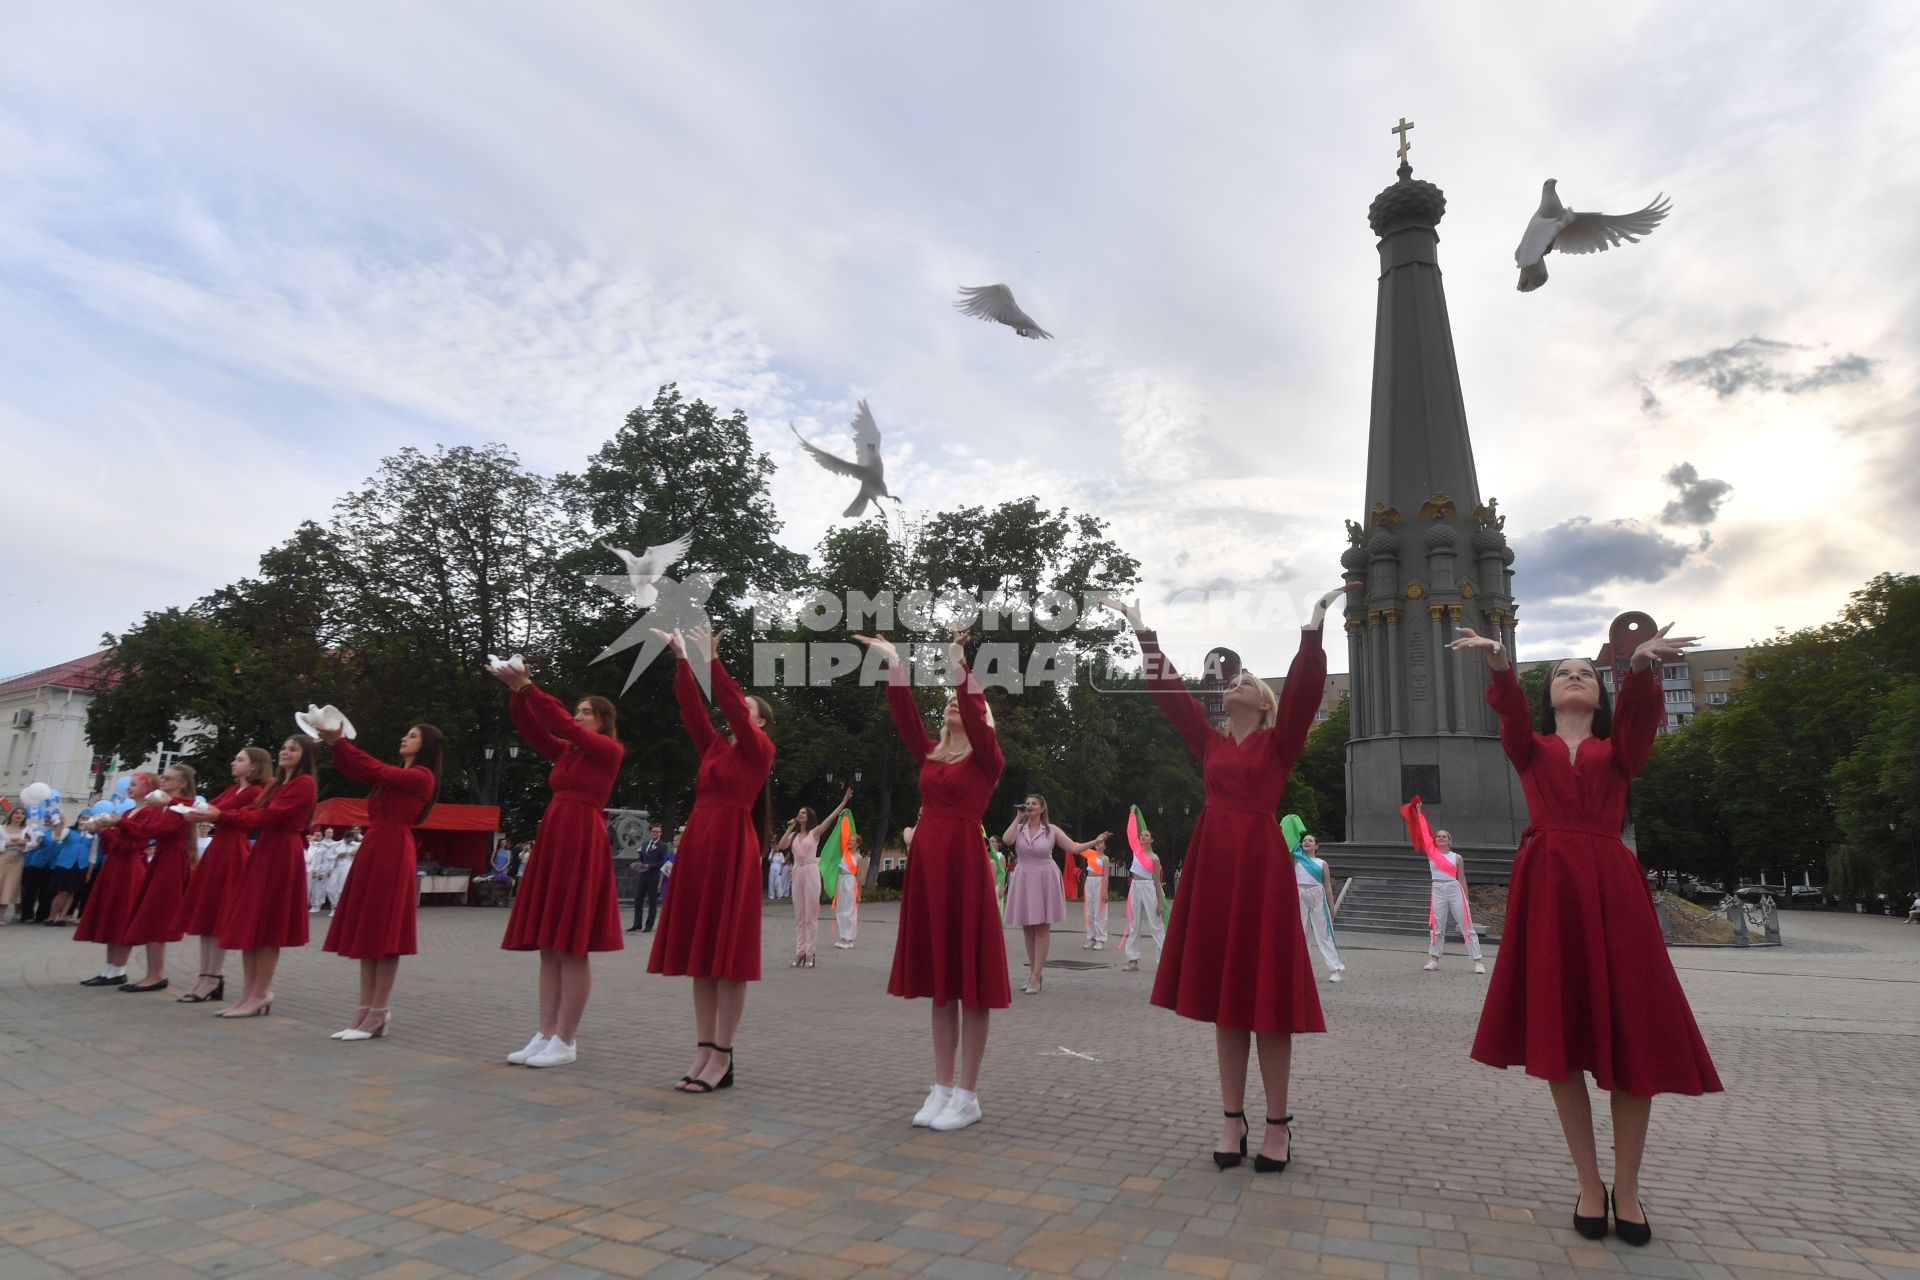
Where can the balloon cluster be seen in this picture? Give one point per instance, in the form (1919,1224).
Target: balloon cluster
(42,803)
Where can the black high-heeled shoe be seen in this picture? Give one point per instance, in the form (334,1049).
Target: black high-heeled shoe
(698,1044)
(1261,1164)
(219,992)
(1634,1233)
(726,1081)
(1231,1159)
(1591,1228)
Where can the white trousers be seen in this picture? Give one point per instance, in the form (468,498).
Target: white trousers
(316,891)
(1143,912)
(1093,907)
(846,913)
(337,882)
(779,881)
(1313,922)
(1447,903)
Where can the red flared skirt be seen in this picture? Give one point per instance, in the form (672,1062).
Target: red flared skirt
(375,915)
(566,900)
(1235,953)
(709,924)
(212,882)
(268,905)
(1583,981)
(110,902)
(950,946)
(163,891)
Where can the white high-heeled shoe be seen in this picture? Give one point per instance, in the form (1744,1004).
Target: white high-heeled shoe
(342,1035)
(354,1033)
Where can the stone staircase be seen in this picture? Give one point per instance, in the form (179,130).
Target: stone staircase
(1381,904)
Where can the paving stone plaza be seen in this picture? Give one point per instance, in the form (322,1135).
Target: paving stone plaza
(142,1139)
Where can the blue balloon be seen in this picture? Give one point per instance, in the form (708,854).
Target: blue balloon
(120,786)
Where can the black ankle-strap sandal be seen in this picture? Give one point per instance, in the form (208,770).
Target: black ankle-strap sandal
(1229,1159)
(1261,1164)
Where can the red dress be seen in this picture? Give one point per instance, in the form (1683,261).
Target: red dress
(566,900)
(709,926)
(115,888)
(219,868)
(163,891)
(1235,955)
(375,915)
(268,905)
(1583,981)
(950,946)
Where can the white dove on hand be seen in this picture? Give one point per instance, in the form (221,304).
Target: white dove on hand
(645,570)
(328,717)
(994,302)
(866,466)
(516,663)
(1554,226)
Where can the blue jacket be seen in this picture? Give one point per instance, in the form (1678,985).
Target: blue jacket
(41,855)
(75,852)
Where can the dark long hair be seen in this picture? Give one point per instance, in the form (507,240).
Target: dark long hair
(305,768)
(605,710)
(1602,712)
(432,747)
(262,767)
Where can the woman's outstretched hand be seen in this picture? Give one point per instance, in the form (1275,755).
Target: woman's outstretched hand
(1495,651)
(1661,647)
(673,640)
(882,646)
(1325,602)
(1131,612)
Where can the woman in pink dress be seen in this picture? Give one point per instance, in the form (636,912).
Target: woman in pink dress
(709,928)
(217,873)
(566,907)
(950,947)
(267,910)
(374,920)
(802,839)
(1583,982)
(1235,954)
(1036,895)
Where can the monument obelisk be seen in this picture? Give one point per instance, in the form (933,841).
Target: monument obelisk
(1433,559)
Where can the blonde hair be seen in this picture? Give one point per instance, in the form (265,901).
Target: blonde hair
(940,748)
(1270,704)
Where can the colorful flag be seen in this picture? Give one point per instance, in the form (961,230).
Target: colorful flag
(1135,825)
(838,856)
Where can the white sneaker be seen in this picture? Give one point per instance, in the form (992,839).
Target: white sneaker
(957,1114)
(1431,965)
(1478,967)
(1099,946)
(936,1102)
(1336,975)
(1087,945)
(535,1045)
(558,1053)
(1131,966)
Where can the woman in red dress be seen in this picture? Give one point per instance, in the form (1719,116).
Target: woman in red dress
(1582,982)
(566,905)
(217,873)
(1235,955)
(156,909)
(117,875)
(267,909)
(950,947)
(374,919)
(709,927)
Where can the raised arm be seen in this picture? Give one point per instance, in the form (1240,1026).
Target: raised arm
(749,737)
(986,756)
(1068,844)
(551,715)
(1637,715)
(693,708)
(354,763)
(1509,703)
(521,707)
(1171,695)
(1300,697)
(819,833)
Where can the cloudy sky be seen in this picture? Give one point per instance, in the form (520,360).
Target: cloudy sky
(247,250)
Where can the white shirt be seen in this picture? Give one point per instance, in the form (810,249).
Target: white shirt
(1140,870)
(1303,876)
(1452,860)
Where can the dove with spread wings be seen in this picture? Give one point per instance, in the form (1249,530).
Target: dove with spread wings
(866,466)
(644,571)
(1554,226)
(994,303)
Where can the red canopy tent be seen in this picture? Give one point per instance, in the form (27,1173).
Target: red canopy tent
(454,835)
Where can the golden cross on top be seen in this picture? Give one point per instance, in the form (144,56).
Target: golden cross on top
(1401,129)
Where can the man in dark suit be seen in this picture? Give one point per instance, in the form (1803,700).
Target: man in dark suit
(646,892)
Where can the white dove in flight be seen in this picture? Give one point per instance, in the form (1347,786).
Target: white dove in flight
(866,467)
(644,570)
(1555,226)
(994,302)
